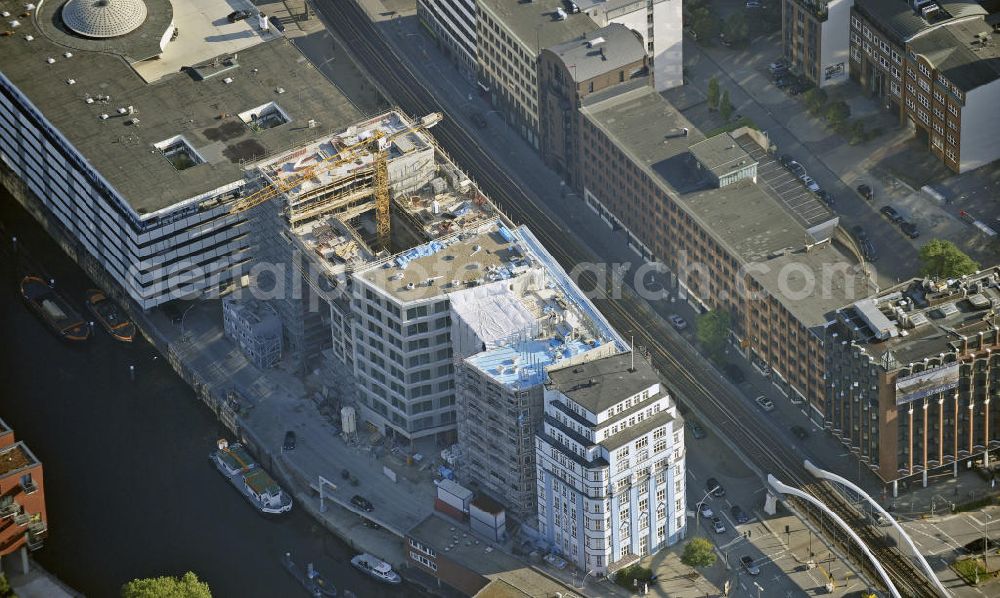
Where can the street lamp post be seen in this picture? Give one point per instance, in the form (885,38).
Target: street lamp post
(697,513)
(986,538)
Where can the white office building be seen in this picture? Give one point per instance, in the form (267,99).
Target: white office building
(610,459)
(132,149)
(659,24)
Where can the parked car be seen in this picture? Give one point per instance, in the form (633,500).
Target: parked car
(369,523)
(891,213)
(715,488)
(800,432)
(909,229)
(277,24)
(753,4)
(747,562)
(796,168)
(739,515)
(704,510)
(860,235)
(778,65)
(725,42)
(697,431)
(866,192)
(362,503)
(289,443)
(782,82)
(810,183)
(718,525)
(825,196)
(784,159)
(764,403)
(238,15)
(691,33)
(678,322)
(734,373)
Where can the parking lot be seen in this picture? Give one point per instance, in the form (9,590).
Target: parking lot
(785,186)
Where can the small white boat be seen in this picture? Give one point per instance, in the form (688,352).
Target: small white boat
(376,567)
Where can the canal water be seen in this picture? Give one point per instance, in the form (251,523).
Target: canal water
(129,488)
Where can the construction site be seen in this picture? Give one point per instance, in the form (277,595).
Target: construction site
(338,203)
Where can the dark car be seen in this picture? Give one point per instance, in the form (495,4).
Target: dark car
(479,120)
(868,250)
(369,523)
(891,213)
(734,373)
(866,192)
(909,229)
(825,196)
(800,432)
(697,431)
(784,159)
(715,488)
(747,563)
(289,443)
(859,233)
(238,15)
(739,515)
(276,23)
(362,503)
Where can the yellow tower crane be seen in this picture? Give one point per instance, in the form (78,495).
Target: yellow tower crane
(377,144)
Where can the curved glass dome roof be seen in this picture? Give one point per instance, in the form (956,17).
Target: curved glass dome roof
(103,18)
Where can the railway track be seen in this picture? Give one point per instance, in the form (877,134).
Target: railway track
(689,376)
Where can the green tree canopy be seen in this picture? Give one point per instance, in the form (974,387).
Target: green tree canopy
(713,93)
(712,329)
(736,28)
(725,106)
(838,112)
(942,259)
(698,553)
(187,586)
(703,24)
(815,99)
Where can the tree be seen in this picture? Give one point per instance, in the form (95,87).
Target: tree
(187,586)
(857,133)
(942,259)
(725,106)
(736,28)
(713,93)
(837,113)
(698,552)
(5,590)
(815,99)
(712,329)
(703,24)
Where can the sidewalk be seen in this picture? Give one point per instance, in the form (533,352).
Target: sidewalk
(37,582)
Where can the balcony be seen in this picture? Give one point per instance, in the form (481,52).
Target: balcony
(29,486)
(37,532)
(9,508)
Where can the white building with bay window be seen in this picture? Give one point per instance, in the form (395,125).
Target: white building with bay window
(610,459)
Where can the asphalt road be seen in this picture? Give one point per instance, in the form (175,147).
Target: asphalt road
(691,378)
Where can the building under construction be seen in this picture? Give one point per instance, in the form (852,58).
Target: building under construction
(339,208)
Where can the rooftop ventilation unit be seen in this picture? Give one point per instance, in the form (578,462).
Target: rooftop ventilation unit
(595,42)
(560,14)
